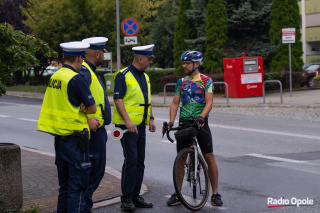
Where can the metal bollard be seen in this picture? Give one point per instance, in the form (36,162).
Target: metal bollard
(11,195)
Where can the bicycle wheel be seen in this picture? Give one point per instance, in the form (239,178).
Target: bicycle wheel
(191,187)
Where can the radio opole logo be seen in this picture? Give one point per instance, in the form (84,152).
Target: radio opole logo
(282,202)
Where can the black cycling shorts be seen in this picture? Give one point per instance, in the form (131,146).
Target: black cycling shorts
(204,140)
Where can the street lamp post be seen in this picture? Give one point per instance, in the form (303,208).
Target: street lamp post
(118,37)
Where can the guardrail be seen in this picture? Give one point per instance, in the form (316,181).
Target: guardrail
(268,81)
(227,89)
(164,90)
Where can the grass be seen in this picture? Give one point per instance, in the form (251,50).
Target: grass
(25,88)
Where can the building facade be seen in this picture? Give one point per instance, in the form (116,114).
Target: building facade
(310,29)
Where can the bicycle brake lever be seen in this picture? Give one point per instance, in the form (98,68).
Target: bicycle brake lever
(164,128)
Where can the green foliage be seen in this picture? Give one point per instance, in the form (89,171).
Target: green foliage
(216,32)
(316,77)
(73,20)
(17,50)
(18,210)
(154,76)
(162,33)
(184,29)
(197,15)
(285,14)
(28,88)
(248,29)
(3,88)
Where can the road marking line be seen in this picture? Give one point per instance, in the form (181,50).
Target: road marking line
(27,119)
(4,116)
(167,141)
(266,131)
(257,130)
(17,104)
(280,159)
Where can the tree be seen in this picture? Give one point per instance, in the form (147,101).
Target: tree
(285,14)
(162,33)
(296,48)
(184,29)
(216,32)
(248,29)
(74,20)
(10,13)
(197,15)
(17,50)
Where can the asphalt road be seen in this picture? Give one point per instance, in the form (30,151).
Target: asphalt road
(259,157)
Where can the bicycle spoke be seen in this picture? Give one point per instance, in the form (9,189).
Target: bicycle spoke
(193,190)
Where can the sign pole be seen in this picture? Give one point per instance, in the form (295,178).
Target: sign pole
(118,37)
(288,37)
(290,70)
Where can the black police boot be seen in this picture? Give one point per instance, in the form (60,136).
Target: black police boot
(139,202)
(127,205)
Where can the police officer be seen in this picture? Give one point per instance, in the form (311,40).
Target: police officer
(132,111)
(63,114)
(97,122)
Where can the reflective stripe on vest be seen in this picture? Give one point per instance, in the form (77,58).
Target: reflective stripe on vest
(132,100)
(57,115)
(98,95)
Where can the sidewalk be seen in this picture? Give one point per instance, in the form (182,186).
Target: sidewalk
(40,183)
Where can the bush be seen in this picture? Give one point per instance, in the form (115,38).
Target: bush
(169,79)
(155,78)
(2,89)
(284,78)
(219,88)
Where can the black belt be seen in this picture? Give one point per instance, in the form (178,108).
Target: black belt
(147,105)
(64,138)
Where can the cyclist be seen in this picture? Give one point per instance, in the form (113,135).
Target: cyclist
(194,92)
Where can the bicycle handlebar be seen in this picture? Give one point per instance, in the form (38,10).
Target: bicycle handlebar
(166,131)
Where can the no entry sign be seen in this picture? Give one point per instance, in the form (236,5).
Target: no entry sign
(130,27)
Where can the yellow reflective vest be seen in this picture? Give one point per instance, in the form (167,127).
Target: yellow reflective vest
(98,95)
(132,100)
(58,116)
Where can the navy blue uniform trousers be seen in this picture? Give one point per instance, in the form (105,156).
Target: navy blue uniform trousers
(133,167)
(73,174)
(97,150)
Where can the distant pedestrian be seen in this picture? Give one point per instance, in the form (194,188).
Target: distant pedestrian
(132,111)
(97,122)
(66,103)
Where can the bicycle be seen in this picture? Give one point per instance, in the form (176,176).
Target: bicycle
(192,187)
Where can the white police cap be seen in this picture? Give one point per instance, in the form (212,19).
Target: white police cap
(144,50)
(74,48)
(96,43)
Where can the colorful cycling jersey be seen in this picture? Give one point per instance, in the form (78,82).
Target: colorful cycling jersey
(192,94)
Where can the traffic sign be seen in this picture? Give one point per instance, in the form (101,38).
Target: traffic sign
(130,27)
(130,40)
(288,35)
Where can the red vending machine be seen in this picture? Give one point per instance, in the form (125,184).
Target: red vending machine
(244,76)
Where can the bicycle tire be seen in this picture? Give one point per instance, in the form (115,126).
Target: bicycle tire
(201,187)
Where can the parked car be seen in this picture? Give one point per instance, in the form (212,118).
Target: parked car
(309,72)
